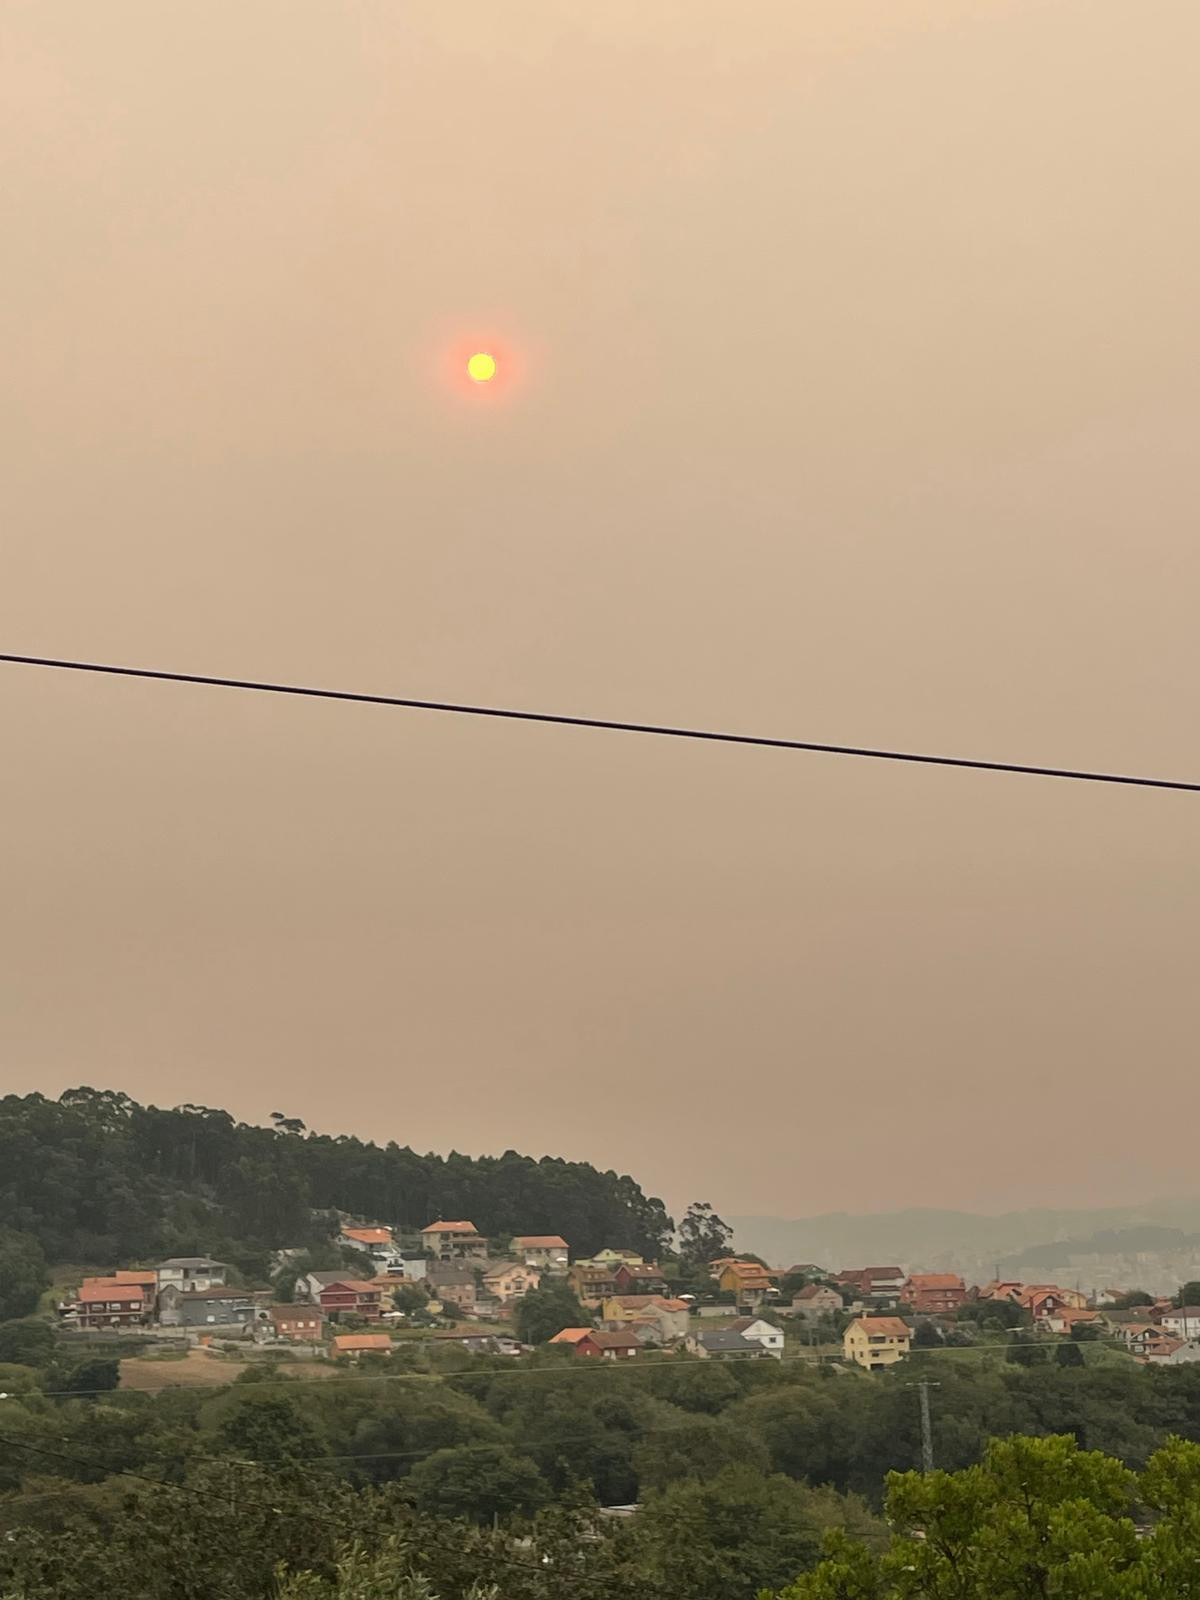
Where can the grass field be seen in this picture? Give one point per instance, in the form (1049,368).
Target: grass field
(150,1374)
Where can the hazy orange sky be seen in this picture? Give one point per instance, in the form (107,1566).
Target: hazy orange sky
(858,353)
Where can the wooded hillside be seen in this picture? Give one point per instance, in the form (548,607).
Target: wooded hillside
(93,1176)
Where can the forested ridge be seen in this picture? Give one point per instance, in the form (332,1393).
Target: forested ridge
(94,1176)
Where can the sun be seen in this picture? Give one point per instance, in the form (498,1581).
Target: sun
(481,368)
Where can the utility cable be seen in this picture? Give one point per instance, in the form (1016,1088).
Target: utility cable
(611,725)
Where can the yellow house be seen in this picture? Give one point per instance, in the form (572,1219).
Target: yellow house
(509,1280)
(609,1259)
(874,1342)
(745,1279)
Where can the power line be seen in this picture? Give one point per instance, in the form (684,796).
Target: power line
(611,725)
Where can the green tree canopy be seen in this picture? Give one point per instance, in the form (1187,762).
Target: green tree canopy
(1037,1518)
(96,1177)
(548,1310)
(28,1342)
(477,1483)
(739,1533)
(703,1236)
(23,1274)
(267,1427)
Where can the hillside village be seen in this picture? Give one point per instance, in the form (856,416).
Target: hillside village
(448,1281)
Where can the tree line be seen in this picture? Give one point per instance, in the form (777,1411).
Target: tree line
(95,1177)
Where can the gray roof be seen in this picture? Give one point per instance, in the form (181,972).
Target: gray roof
(446,1272)
(188,1295)
(190,1261)
(726,1340)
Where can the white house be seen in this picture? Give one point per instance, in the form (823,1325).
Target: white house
(450,1240)
(376,1242)
(191,1272)
(759,1331)
(1183,1322)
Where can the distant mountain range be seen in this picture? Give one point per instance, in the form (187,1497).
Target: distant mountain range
(1154,1246)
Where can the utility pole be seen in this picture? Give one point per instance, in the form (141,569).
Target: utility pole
(923,1387)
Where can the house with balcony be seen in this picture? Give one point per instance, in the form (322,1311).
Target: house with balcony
(191,1272)
(109,1303)
(507,1281)
(592,1281)
(449,1241)
(881,1288)
(876,1342)
(544,1250)
(748,1282)
(376,1242)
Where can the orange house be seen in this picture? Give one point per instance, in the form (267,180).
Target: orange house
(935,1292)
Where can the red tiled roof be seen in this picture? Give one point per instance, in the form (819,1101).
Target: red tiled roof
(449,1227)
(571,1335)
(540,1241)
(935,1280)
(110,1289)
(350,1342)
(369,1235)
(882,1325)
(355,1285)
(613,1341)
(135,1275)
